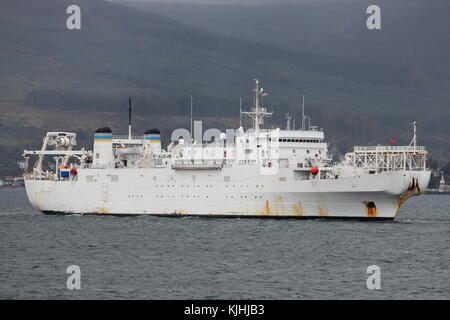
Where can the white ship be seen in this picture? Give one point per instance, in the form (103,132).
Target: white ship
(242,173)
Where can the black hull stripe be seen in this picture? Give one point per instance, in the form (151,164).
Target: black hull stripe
(226,216)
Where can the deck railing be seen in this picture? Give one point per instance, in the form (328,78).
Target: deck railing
(388,148)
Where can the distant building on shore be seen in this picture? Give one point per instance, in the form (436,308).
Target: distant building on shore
(442,185)
(10,181)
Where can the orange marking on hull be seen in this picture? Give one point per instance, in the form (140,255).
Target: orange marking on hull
(298,211)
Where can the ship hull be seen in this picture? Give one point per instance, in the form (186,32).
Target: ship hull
(229,192)
(227,216)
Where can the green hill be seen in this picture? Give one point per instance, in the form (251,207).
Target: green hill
(56,79)
(417,36)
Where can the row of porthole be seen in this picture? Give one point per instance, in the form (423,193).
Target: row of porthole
(207,186)
(234,186)
(187,186)
(243,197)
(298,140)
(187,197)
(173,197)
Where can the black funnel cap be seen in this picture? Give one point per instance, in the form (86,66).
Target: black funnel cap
(152,131)
(103,130)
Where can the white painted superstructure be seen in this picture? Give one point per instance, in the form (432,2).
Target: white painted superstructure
(254,173)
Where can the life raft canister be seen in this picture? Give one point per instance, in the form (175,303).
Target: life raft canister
(314,170)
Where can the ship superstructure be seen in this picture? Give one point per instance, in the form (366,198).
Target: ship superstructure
(257,172)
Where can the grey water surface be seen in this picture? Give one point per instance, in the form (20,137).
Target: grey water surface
(210,258)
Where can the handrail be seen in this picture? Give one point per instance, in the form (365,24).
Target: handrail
(125,137)
(388,148)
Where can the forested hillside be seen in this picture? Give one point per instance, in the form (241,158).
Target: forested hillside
(56,79)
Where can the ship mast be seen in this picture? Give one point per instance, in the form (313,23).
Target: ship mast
(257,112)
(414,139)
(192,136)
(129,118)
(240,112)
(257,108)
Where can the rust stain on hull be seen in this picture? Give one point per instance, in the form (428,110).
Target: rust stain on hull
(413,190)
(322,210)
(102,210)
(371,208)
(371,212)
(298,211)
(266,210)
(403,197)
(279,206)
